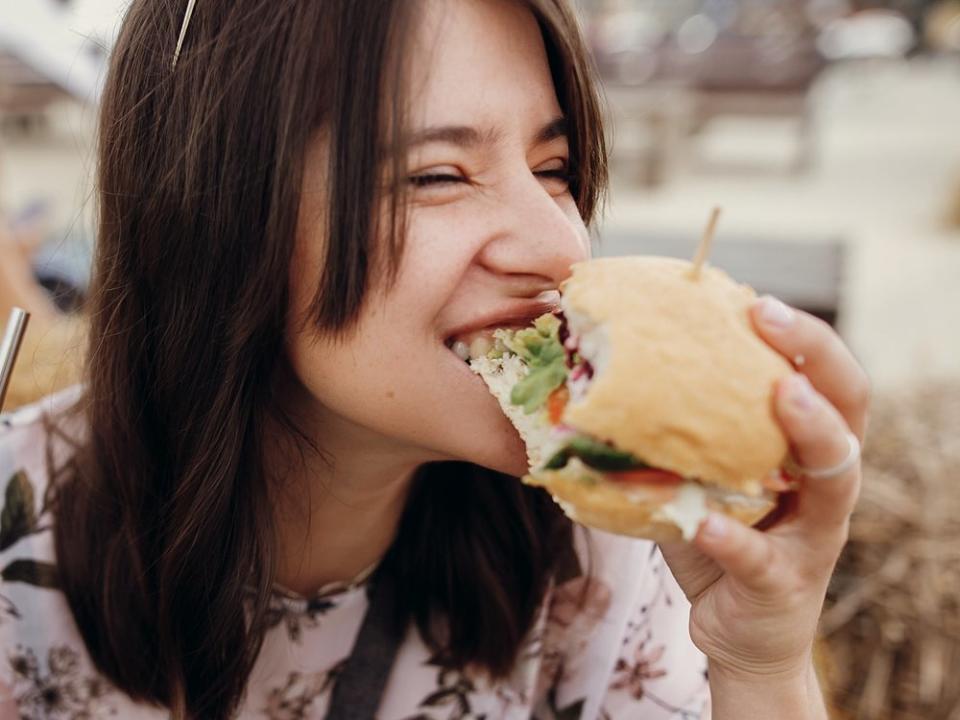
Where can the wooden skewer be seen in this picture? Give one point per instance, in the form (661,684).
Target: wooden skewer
(703,252)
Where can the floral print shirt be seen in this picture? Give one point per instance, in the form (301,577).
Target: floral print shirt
(622,652)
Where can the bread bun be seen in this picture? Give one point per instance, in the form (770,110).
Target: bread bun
(612,507)
(681,380)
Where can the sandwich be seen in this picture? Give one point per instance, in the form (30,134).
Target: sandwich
(646,400)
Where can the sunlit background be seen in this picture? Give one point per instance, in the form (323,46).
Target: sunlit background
(828,131)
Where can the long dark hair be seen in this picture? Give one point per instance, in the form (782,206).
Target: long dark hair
(164,532)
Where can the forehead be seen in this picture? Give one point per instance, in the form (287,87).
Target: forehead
(479,62)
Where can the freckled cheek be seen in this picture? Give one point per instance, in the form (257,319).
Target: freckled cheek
(387,382)
(465,220)
(351,378)
(436,258)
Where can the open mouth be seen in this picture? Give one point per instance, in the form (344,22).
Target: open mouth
(471,346)
(478,343)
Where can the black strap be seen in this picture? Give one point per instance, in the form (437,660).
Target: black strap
(360,684)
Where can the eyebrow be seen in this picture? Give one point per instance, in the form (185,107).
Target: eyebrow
(467,136)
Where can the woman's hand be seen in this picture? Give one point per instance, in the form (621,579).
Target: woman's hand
(756,596)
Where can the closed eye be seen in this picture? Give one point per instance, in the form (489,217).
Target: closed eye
(563,174)
(435,179)
(557,173)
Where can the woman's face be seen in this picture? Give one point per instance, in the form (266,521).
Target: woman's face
(492,231)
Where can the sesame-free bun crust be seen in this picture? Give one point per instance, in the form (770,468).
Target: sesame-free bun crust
(687,384)
(605,505)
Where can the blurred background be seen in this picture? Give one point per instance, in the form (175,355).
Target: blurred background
(829,132)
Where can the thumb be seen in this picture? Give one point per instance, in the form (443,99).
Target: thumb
(694,571)
(746,555)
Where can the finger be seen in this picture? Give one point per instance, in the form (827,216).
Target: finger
(745,554)
(697,571)
(819,353)
(818,437)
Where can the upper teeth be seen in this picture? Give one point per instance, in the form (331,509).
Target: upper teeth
(480,346)
(477,347)
(462,350)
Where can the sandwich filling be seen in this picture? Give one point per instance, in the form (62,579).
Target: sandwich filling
(537,371)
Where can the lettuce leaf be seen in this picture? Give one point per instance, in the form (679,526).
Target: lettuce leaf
(595,454)
(540,349)
(532,392)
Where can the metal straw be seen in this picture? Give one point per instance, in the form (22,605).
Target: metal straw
(16,327)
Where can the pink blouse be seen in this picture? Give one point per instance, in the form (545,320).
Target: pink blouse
(624,653)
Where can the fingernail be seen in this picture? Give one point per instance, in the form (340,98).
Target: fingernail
(774,313)
(801,395)
(714,527)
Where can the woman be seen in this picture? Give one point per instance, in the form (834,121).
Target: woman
(281,494)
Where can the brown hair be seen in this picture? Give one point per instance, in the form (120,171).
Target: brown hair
(164,534)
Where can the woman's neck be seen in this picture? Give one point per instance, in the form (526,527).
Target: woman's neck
(335,513)
(338,532)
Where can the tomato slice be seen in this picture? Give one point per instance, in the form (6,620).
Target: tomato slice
(556,404)
(658,485)
(647,476)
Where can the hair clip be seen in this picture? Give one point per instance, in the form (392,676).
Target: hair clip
(183,32)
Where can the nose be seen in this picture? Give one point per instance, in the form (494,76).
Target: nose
(534,234)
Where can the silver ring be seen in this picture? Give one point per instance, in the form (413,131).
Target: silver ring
(844,466)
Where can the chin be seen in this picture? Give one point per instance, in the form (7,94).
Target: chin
(496,446)
(515,466)
(482,434)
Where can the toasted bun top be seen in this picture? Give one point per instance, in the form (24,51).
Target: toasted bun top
(684,382)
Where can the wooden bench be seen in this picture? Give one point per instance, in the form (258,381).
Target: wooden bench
(806,274)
